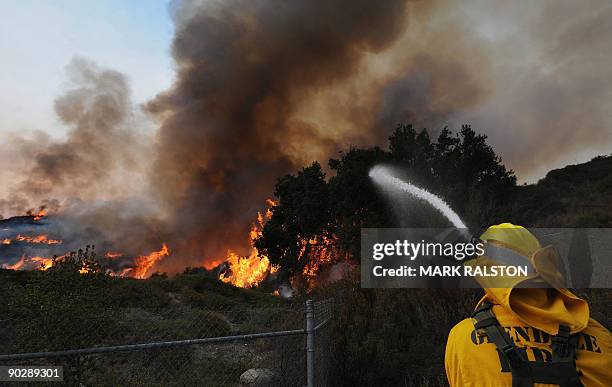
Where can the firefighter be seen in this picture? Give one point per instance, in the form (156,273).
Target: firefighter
(529,330)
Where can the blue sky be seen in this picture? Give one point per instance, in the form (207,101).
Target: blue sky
(39,38)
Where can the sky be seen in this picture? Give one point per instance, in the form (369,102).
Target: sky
(39,38)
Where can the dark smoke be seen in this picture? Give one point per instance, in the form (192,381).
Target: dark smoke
(228,129)
(264,87)
(91,181)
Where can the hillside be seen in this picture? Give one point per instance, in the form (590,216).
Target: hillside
(574,196)
(60,309)
(395,336)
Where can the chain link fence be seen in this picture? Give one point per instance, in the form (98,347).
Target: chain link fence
(186,346)
(322,318)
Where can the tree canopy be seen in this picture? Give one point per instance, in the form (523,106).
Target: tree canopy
(460,167)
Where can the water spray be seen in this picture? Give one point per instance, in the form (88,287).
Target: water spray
(383,177)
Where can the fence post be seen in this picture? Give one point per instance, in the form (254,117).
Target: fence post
(310,344)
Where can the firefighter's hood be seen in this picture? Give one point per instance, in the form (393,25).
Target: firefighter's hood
(541,307)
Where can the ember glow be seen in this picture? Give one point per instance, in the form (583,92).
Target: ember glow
(322,250)
(323,255)
(249,271)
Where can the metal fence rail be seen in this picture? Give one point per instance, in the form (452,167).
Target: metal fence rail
(276,357)
(323,313)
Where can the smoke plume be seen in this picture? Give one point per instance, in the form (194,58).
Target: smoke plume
(263,87)
(229,125)
(91,163)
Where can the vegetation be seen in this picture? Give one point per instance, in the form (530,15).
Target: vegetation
(64,308)
(576,196)
(397,336)
(378,336)
(462,168)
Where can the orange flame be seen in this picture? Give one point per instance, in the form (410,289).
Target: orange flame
(126,272)
(41,239)
(43,263)
(6,241)
(39,263)
(145,263)
(17,265)
(250,270)
(111,255)
(41,214)
(246,271)
(323,253)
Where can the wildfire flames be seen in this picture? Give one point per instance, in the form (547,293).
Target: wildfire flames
(241,271)
(323,251)
(41,214)
(145,263)
(249,271)
(37,239)
(16,266)
(38,263)
(43,263)
(111,255)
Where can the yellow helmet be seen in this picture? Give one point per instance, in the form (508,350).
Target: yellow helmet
(513,236)
(529,297)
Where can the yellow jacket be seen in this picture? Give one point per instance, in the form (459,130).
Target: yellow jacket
(531,317)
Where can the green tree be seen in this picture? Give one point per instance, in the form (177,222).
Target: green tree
(302,213)
(477,183)
(462,168)
(355,201)
(413,151)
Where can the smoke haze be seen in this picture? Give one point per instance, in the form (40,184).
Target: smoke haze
(100,149)
(228,125)
(264,87)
